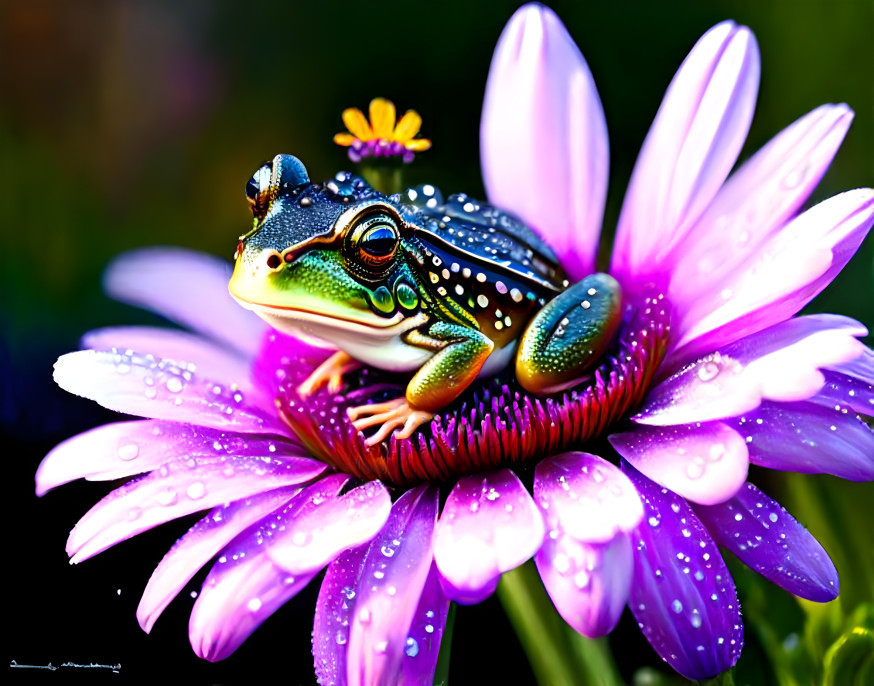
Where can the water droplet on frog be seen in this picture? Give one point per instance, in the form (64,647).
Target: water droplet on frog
(128,452)
(411,648)
(196,490)
(708,371)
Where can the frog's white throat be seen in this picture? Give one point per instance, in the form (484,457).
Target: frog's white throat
(378,344)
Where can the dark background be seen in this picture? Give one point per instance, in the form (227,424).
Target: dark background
(125,124)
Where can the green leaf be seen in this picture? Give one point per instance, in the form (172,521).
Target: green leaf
(850,660)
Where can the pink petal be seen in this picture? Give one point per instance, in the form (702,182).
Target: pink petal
(780,363)
(792,267)
(544,138)
(585,562)
(208,359)
(756,201)
(390,584)
(197,547)
(489,525)
(704,463)
(689,151)
(422,646)
(586,497)
(122,449)
(236,598)
(588,582)
(181,487)
(187,287)
(160,389)
(335,609)
(324,524)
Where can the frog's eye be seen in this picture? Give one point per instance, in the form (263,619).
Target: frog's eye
(375,242)
(257,190)
(379,241)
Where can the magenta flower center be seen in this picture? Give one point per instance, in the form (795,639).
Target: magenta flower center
(495,423)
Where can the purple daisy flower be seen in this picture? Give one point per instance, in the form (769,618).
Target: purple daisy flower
(711,373)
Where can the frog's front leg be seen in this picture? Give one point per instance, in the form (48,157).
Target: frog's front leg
(569,335)
(329,373)
(460,353)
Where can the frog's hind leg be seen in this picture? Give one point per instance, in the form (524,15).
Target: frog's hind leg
(460,353)
(569,335)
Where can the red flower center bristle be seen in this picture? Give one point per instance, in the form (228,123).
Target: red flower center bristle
(495,423)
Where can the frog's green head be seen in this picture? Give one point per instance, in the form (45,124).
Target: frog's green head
(322,259)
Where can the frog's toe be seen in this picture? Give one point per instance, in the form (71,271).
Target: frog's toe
(389,416)
(329,373)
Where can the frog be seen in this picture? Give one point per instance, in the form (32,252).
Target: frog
(444,291)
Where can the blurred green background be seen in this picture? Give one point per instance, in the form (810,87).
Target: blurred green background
(124,124)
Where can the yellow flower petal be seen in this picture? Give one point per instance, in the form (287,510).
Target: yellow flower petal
(345,139)
(408,126)
(382,118)
(357,124)
(418,144)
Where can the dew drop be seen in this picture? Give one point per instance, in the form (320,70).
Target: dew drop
(254,605)
(340,637)
(128,452)
(773,516)
(696,619)
(196,490)
(411,648)
(677,606)
(708,371)
(694,470)
(168,497)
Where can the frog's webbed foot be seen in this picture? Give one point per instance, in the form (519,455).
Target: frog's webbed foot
(329,373)
(391,415)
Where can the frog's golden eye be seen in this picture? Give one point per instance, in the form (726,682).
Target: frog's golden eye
(258,190)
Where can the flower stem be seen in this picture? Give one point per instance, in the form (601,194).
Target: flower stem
(558,655)
(386,179)
(441,673)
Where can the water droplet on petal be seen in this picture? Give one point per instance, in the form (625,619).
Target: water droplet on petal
(708,371)
(677,606)
(174,384)
(254,605)
(128,452)
(411,648)
(196,490)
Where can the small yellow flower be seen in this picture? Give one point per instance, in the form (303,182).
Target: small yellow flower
(380,137)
